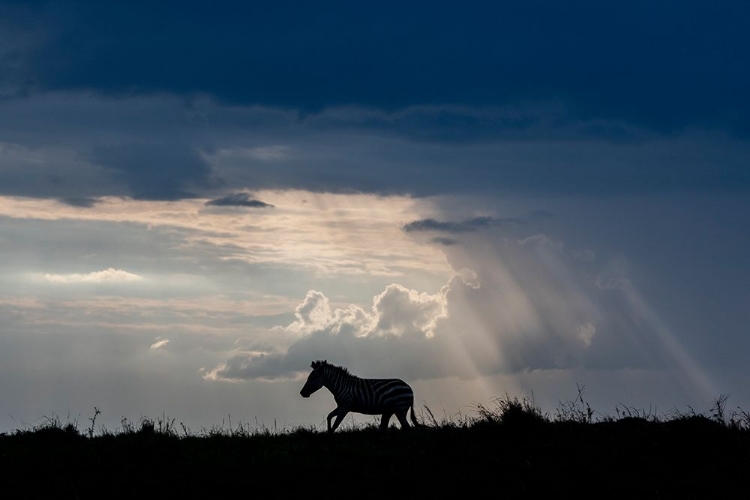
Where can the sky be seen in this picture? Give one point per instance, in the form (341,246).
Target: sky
(483,199)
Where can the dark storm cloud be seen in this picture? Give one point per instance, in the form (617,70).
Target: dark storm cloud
(444,241)
(523,99)
(156,171)
(83,202)
(238,200)
(464,226)
(74,145)
(551,119)
(663,65)
(541,214)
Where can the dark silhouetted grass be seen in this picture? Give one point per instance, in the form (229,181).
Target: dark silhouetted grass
(510,449)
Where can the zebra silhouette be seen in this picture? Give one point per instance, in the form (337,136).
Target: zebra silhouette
(369,396)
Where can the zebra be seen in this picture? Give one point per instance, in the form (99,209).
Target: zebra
(369,396)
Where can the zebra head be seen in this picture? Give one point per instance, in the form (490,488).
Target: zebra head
(315,379)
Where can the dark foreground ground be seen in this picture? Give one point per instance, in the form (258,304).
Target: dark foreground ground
(513,452)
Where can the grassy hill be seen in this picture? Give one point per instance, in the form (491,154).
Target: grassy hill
(511,451)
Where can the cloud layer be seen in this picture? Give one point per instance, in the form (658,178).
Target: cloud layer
(160,148)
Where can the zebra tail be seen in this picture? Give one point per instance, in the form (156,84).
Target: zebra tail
(414,418)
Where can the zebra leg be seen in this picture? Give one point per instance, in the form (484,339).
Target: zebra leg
(401,415)
(384,421)
(340,413)
(330,416)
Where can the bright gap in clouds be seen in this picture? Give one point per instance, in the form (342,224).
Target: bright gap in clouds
(252,289)
(519,302)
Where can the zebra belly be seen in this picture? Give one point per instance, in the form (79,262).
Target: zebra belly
(379,409)
(368,410)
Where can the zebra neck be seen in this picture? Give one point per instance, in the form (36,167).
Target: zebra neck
(338,382)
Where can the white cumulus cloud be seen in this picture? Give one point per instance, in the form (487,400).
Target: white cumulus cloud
(586,333)
(402,311)
(159,343)
(110,275)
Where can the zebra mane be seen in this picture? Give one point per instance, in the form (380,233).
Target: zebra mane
(339,369)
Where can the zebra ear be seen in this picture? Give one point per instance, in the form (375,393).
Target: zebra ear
(314,364)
